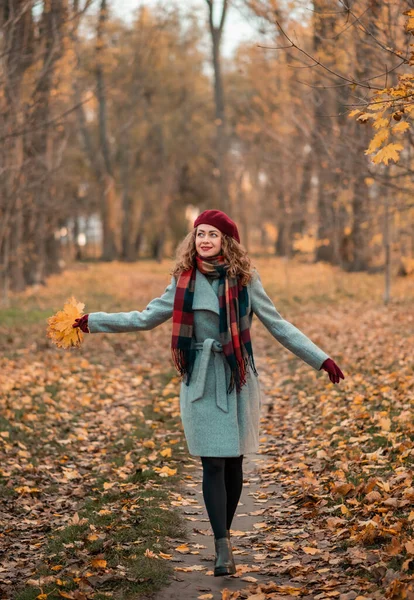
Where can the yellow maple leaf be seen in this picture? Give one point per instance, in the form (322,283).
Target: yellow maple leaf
(389,152)
(380,104)
(401,127)
(288,589)
(184,549)
(384,423)
(377,141)
(108,485)
(165,471)
(409,26)
(98,563)
(380,122)
(60,329)
(148,444)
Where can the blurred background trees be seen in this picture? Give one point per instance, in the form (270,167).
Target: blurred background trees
(115,135)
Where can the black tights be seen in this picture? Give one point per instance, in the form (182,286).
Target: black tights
(222,487)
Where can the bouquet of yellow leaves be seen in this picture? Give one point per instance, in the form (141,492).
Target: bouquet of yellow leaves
(60,329)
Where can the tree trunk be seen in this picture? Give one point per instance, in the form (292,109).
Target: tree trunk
(100,160)
(365,59)
(387,248)
(110,208)
(284,242)
(78,247)
(324,28)
(39,144)
(17,282)
(300,221)
(128,221)
(4,271)
(17,56)
(169,188)
(244,189)
(221,123)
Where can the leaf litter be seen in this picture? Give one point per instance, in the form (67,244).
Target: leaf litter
(342,526)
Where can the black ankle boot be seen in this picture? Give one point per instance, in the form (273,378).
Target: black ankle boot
(224,561)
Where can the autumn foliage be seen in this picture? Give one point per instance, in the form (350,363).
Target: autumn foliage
(60,329)
(391,109)
(127,134)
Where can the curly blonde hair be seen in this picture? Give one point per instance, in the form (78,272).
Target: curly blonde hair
(234,253)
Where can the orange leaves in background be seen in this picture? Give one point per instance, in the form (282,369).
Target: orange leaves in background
(60,329)
(390,105)
(98,563)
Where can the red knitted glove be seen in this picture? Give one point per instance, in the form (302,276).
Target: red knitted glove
(333,370)
(82,323)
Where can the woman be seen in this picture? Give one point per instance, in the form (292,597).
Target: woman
(212,297)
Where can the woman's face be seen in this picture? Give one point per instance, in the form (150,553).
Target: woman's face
(208,241)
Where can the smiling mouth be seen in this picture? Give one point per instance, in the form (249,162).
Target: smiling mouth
(205,248)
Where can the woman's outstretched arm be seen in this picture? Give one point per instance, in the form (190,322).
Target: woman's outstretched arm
(157,311)
(287,334)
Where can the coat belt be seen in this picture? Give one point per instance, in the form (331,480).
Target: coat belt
(208,347)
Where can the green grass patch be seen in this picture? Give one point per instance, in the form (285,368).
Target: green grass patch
(68,535)
(149,526)
(18,315)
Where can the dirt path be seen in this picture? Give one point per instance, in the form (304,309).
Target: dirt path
(289,536)
(245,534)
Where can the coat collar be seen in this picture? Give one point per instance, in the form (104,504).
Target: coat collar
(205,298)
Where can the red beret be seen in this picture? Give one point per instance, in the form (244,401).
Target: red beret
(218,219)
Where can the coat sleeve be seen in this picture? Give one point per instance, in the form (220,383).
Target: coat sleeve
(157,311)
(287,334)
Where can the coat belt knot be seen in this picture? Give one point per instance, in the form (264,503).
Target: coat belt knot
(211,346)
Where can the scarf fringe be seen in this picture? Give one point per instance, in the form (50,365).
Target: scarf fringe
(239,375)
(183,363)
(180,358)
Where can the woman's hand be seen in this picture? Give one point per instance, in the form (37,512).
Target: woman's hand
(82,323)
(333,370)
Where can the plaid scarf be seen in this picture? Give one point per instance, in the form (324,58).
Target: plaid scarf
(233,319)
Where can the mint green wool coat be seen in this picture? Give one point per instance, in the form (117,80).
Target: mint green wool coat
(215,423)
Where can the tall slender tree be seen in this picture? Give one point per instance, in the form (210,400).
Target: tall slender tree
(221,170)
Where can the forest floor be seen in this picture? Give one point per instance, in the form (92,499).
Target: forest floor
(100,498)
